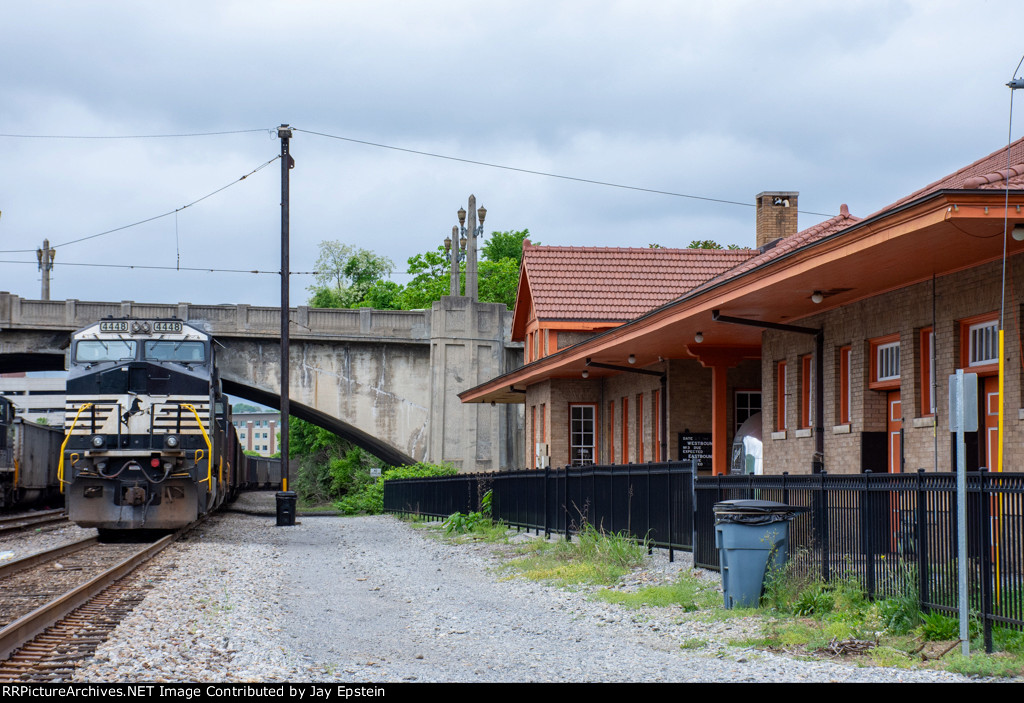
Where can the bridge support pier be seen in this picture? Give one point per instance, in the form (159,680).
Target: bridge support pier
(467,347)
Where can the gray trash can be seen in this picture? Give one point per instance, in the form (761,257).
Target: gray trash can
(752,536)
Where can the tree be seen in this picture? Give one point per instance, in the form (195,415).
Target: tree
(708,244)
(505,245)
(430,280)
(345,274)
(349,278)
(499,281)
(704,244)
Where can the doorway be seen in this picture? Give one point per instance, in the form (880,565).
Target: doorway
(894,426)
(990,394)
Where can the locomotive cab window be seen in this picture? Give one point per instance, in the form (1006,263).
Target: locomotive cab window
(185,352)
(94,351)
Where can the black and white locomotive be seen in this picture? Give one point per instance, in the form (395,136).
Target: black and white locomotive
(149,441)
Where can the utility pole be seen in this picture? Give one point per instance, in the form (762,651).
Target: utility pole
(284,515)
(45,257)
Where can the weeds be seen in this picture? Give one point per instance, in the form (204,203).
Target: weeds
(594,557)
(688,593)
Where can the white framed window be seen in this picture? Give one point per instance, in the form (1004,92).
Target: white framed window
(983,343)
(887,361)
(747,404)
(582,434)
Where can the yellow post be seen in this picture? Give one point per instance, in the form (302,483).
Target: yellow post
(1002,402)
(997,517)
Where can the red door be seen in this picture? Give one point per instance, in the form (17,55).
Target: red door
(893,424)
(991,393)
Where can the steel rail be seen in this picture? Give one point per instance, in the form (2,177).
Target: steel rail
(43,557)
(25,628)
(10,524)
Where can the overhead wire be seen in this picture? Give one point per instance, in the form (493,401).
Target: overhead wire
(163,268)
(132,136)
(539,173)
(150,219)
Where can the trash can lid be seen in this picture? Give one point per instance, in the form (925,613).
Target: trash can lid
(759,507)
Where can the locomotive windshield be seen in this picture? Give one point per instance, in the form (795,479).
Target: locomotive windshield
(186,352)
(105,350)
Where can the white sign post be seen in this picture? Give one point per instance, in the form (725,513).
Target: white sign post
(963,417)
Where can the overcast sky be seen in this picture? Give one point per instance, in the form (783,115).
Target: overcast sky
(853,102)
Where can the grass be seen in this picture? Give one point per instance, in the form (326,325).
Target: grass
(801,615)
(808,615)
(688,593)
(592,557)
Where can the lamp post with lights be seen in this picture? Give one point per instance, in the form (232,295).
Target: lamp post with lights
(462,246)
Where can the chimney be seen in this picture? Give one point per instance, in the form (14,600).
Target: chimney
(776,215)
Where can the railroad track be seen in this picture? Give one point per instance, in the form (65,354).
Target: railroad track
(27,520)
(53,620)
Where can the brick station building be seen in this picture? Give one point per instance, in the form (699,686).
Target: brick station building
(639,355)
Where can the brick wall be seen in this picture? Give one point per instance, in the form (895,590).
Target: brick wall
(904,312)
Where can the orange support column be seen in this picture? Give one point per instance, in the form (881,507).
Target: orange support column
(720,360)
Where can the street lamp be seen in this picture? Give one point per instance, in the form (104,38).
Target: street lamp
(467,235)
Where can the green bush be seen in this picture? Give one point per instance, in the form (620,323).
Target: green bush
(367,495)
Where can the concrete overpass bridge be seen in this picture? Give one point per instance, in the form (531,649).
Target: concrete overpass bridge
(385,379)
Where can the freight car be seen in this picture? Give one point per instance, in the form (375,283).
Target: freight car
(149,443)
(28,459)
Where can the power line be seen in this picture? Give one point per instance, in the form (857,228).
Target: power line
(131,136)
(150,219)
(542,173)
(164,268)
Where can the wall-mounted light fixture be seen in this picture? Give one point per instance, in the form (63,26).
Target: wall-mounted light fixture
(586,373)
(1018,233)
(699,337)
(631,359)
(817,297)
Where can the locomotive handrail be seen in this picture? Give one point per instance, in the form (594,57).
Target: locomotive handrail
(206,438)
(64,444)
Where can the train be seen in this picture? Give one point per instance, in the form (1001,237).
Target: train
(149,443)
(28,460)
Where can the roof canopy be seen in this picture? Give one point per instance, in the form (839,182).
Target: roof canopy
(953,224)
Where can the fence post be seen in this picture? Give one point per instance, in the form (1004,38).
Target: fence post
(693,507)
(671,522)
(985,520)
(922,541)
(547,524)
(565,506)
(647,532)
(866,535)
(826,553)
(785,488)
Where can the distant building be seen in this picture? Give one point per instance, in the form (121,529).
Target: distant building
(36,397)
(257,431)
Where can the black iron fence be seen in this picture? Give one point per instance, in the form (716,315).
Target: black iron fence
(892,532)
(647,501)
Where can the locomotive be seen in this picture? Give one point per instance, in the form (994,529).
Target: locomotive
(149,442)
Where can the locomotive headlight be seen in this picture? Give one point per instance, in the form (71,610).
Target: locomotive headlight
(97,441)
(171,442)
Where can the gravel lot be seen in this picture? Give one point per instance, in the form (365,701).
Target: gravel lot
(373,600)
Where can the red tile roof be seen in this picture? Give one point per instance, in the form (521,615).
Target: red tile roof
(783,246)
(986,173)
(617,284)
(585,283)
